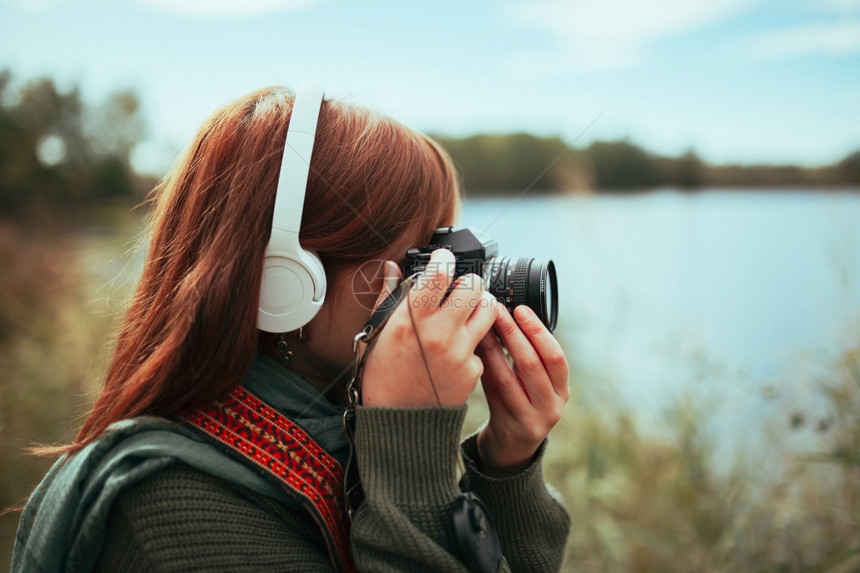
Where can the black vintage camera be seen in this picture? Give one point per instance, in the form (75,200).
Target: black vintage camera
(513,281)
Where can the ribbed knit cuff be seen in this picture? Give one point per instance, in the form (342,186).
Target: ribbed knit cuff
(531,521)
(520,487)
(409,455)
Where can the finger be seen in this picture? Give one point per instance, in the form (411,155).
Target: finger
(391,278)
(501,386)
(465,297)
(482,318)
(476,367)
(527,363)
(547,348)
(432,283)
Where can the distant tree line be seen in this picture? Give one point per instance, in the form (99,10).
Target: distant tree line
(497,163)
(62,156)
(59,155)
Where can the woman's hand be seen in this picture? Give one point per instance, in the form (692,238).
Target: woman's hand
(395,373)
(525,400)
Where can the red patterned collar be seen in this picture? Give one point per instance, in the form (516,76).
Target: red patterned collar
(259,434)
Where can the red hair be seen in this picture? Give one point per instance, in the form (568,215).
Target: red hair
(190,334)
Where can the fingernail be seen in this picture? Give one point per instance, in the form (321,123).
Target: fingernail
(443,256)
(524,313)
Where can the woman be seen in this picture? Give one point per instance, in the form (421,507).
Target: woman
(217,446)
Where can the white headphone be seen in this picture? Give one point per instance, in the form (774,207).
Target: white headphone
(293,284)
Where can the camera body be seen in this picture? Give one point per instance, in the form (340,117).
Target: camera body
(470,251)
(512,281)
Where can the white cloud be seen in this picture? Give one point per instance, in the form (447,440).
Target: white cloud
(225,8)
(604,35)
(840,38)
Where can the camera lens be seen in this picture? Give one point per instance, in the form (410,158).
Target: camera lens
(532,282)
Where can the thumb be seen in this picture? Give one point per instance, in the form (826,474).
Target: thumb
(391,278)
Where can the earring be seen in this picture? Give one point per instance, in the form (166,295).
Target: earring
(283,348)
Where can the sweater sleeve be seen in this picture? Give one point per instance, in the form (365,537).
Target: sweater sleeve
(530,517)
(408,461)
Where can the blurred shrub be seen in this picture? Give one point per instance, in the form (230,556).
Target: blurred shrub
(58,155)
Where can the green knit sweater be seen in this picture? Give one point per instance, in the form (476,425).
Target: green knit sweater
(182,519)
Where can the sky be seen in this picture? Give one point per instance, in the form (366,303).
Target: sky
(738,81)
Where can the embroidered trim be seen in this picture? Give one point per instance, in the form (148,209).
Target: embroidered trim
(278,446)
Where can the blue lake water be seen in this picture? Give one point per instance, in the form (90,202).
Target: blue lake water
(739,296)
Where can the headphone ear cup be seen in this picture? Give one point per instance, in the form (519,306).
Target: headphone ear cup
(292,291)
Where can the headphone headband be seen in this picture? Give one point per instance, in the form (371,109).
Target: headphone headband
(296,161)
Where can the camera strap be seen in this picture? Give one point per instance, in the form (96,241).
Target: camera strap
(477,540)
(361,346)
(383,312)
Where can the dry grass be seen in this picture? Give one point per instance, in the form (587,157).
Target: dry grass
(658,503)
(54,338)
